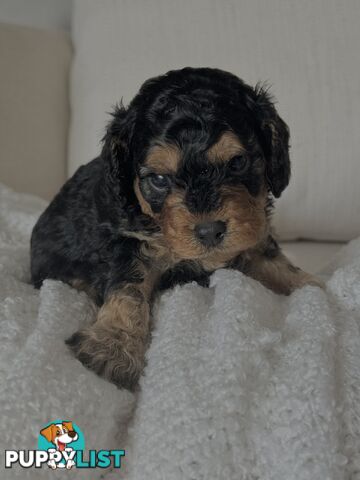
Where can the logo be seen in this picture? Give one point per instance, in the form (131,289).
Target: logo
(61,440)
(61,445)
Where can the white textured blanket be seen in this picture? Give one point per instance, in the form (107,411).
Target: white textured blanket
(240,383)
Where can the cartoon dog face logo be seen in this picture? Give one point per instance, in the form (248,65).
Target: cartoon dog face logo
(60,434)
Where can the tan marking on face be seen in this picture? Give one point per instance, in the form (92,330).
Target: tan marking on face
(145,207)
(163,159)
(243,214)
(177,224)
(227,147)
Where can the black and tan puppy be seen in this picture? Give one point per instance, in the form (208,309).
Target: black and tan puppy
(183,186)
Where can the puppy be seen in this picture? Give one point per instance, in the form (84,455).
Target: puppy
(184,185)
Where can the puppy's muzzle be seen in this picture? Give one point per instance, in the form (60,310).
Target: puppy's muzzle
(211,234)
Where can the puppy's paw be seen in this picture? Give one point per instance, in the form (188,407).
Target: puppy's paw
(308,279)
(301,279)
(112,354)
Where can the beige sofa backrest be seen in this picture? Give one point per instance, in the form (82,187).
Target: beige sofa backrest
(34,108)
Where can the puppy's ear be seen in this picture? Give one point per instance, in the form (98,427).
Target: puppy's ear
(275,136)
(116,151)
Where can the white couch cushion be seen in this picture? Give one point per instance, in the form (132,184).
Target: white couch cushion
(307,50)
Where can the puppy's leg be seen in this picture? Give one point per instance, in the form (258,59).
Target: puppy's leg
(274,270)
(114,346)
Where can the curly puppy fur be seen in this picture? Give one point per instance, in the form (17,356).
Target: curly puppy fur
(184,185)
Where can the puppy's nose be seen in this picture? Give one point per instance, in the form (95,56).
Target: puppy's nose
(72,434)
(210,234)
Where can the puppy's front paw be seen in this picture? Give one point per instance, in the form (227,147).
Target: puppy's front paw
(308,279)
(114,355)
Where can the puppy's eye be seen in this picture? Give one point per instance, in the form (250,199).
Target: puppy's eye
(238,164)
(159,182)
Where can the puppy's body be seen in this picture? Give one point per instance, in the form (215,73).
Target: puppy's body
(183,186)
(78,236)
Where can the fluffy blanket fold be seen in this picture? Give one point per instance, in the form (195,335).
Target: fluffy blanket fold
(240,383)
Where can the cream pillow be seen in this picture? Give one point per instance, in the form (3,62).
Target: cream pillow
(308,51)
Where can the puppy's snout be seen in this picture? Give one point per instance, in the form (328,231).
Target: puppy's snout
(72,434)
(210,234)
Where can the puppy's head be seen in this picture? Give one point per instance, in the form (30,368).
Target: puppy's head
(200,151)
